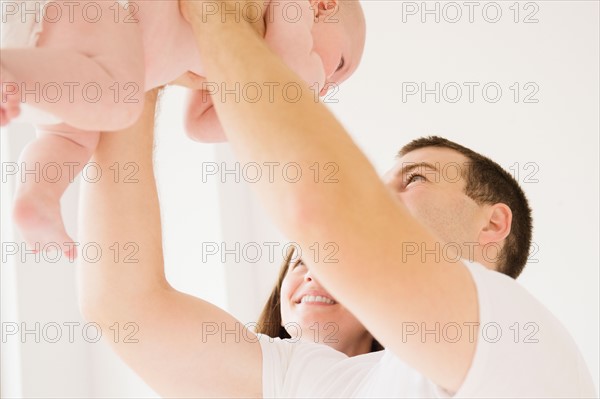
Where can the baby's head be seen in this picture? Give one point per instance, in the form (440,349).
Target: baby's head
(339,37)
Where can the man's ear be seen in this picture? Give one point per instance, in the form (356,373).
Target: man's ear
(498,224)
(323,7)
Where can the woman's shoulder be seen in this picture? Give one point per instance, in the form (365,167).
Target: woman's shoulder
(302,368)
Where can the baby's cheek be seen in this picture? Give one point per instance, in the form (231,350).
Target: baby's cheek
(328,44)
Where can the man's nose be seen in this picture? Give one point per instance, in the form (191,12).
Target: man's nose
(390,185)
(389,181)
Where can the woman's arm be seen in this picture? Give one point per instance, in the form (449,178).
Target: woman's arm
(178,352)
(358,213)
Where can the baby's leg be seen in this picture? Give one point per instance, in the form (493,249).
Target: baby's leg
(88,72)
(57,156)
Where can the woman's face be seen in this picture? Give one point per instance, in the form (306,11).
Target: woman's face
(309,312)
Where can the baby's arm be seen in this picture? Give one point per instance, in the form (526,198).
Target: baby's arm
(201,121)
(96,67)
(293,41)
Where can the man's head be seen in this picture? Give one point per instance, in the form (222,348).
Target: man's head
(462,197)
(467,200)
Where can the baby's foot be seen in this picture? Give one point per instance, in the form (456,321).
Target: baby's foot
(39,220)
(9,97)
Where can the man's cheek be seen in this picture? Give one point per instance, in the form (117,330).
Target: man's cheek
(413,202)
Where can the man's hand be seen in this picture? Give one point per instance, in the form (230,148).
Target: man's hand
(243,11)
(191,9)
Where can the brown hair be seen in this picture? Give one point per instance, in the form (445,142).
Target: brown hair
(488,183)
(269,322)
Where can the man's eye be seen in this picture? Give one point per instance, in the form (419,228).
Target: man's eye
(414,177)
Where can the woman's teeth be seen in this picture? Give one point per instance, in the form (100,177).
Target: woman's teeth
(318,298)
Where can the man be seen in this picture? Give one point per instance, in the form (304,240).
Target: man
(484,334)
(454,185)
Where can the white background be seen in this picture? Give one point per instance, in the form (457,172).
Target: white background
(552,143)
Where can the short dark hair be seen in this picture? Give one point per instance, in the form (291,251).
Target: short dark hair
(488,183)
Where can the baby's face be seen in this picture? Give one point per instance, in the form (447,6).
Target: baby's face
(339,39)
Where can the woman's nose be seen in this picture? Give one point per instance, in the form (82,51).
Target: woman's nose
(308,276)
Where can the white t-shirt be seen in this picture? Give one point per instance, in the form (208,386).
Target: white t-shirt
(544,361)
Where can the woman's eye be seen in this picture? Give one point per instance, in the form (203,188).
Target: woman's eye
(298,263)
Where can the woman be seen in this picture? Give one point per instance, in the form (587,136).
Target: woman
(187,347)
(281,319)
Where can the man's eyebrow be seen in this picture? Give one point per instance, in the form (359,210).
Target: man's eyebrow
(410,166)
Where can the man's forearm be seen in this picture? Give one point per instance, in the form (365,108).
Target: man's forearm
(281,126)
(369,274)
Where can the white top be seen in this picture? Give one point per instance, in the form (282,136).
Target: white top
(544,361)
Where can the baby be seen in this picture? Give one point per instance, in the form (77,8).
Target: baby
(84,68)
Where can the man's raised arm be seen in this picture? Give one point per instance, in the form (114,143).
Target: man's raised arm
(285,125)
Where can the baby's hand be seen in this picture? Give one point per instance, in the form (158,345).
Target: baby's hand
(201,121)
(9,99)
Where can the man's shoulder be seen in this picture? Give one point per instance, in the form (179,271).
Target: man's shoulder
(507,304)
(522,348)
